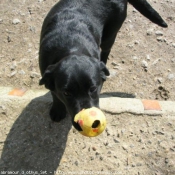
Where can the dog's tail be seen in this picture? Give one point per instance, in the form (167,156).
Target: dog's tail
(145,9)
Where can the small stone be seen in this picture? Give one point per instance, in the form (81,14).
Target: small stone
(97,153)
(114,63)
(149,32)
(136,42)
(144,64)
(123,131)
(166,160)
(138,164)
(134,78)
(32,29)
(116,141)
(3,110)
(159,132)
(163,144)
(159,33)
(16,21)
(1,21)
(94,149)
(171,76)
(34,75)
(13,66)
(135,58)
(136,155)
(130,45)
(101,158)
(161,39)
(84,146)
(13,73)
(109,131)
(147,57)
(129,160)
(106,143)
(9,39)
(172,149)
(63,160)
(160,80)
(149,141)
(113,73)
(109,152)
(140,140)
(116,67)
(21,72)
(91,157)
(30,10)
(22,14)
(3,107)
(76,163)
(134,10)
(125,147)
(173,44)
(156,61)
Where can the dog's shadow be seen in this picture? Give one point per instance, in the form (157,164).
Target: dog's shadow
(34,142)
(117,94)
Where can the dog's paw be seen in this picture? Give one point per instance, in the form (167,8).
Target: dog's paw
(57,115)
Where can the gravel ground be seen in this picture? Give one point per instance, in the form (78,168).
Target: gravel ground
(131,144)
(142,65)
(142,61)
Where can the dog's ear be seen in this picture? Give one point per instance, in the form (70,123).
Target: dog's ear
(104,71)
(48,78)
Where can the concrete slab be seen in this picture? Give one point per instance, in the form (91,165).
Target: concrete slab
(114,105)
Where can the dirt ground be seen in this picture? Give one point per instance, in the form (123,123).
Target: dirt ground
(142,65)
(30,143)
(142,61)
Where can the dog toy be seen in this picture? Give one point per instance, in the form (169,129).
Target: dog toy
(92,121)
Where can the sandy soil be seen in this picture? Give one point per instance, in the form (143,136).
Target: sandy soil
(142,65)
(31,143)
(142,61)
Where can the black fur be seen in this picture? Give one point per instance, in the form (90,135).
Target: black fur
(76,39)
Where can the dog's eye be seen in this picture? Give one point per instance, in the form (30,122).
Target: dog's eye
(93,89)
(67,93)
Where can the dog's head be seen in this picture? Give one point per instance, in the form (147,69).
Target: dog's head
(76,81)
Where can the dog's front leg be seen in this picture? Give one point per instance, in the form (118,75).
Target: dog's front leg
(58,109)
(106,46)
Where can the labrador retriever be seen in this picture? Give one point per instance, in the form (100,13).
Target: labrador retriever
(76,39)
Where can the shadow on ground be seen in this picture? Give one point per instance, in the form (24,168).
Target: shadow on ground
(117,94)
(34,142)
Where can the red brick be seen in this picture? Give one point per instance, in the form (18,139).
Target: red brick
(151,105)
(17,92)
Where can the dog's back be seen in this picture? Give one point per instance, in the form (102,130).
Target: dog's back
(84,26)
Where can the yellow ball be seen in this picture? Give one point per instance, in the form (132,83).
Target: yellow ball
(92,121)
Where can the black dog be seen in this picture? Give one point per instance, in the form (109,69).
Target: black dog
(76,39)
